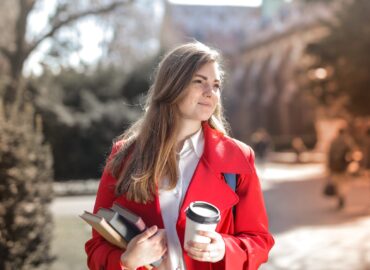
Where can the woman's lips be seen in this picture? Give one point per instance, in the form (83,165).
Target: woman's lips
(205,104)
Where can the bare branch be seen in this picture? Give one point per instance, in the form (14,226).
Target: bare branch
(17,57)
(25,7)
(73,17)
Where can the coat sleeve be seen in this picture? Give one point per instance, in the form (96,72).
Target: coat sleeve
(248,247)
(100,253)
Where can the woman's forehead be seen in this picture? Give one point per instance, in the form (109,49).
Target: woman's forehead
(209,70)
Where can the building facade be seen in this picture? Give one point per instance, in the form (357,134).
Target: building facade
(264,47)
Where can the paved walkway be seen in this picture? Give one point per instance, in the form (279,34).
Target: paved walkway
(310,233)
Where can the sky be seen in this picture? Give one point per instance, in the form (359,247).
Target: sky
(90,35)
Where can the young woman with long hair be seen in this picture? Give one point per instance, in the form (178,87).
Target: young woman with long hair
(177,153)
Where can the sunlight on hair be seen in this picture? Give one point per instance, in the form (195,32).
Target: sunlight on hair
(218,125)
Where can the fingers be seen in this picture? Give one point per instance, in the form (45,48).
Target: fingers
(159,239)
(214,236)
(164,239)
(147,233)
(158,242)
(198,255)
(211,252)
(164,252)
(160,235)
(201,246)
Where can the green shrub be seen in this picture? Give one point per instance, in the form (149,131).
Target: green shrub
(25,193)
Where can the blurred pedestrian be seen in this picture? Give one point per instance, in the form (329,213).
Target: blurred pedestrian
(339,157)
(261,144)
(299,147)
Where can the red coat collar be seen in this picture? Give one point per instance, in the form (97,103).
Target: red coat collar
(223,153)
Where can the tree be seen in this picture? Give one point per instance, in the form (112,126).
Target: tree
(20,48)
(25,160)
(135,41)
(81,115)
(342,60)
(25,194)
(85,107)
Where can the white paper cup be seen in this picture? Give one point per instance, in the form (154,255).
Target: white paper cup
(201,216)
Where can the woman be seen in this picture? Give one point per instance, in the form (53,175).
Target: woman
(174,155)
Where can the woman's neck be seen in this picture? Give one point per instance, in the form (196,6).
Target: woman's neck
(187,128)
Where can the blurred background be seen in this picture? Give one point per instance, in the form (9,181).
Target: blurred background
(74,75)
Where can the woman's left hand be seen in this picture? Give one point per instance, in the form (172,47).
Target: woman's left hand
(210,252)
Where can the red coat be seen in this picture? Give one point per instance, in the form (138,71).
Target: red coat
(246,235)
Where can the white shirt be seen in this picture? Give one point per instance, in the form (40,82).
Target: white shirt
(171,200)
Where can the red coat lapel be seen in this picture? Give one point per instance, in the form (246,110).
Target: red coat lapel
(207,183)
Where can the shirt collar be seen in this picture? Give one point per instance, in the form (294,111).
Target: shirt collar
(195,143)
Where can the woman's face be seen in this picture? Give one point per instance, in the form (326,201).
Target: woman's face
(202,94)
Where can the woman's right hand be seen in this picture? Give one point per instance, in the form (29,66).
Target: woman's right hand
(145,248)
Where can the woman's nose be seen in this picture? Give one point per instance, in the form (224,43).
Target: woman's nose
(207,89)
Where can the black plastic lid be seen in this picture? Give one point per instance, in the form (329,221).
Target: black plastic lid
(196,217)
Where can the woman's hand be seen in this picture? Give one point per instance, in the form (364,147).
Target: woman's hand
(145,248)
(211,252)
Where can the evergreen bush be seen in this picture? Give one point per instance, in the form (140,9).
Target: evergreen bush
(25,194)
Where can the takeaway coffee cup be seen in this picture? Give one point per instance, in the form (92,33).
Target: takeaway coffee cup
(200,216)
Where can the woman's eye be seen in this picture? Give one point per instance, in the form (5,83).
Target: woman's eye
(197,81)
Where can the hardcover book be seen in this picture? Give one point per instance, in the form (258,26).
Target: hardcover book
(117,225)
(104,229)
(130,217)
(124,228)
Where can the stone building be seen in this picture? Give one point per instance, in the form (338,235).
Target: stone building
(268,89)
(264,47)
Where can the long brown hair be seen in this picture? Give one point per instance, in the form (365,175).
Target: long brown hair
(148,151)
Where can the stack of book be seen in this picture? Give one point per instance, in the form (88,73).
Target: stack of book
(117,225)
